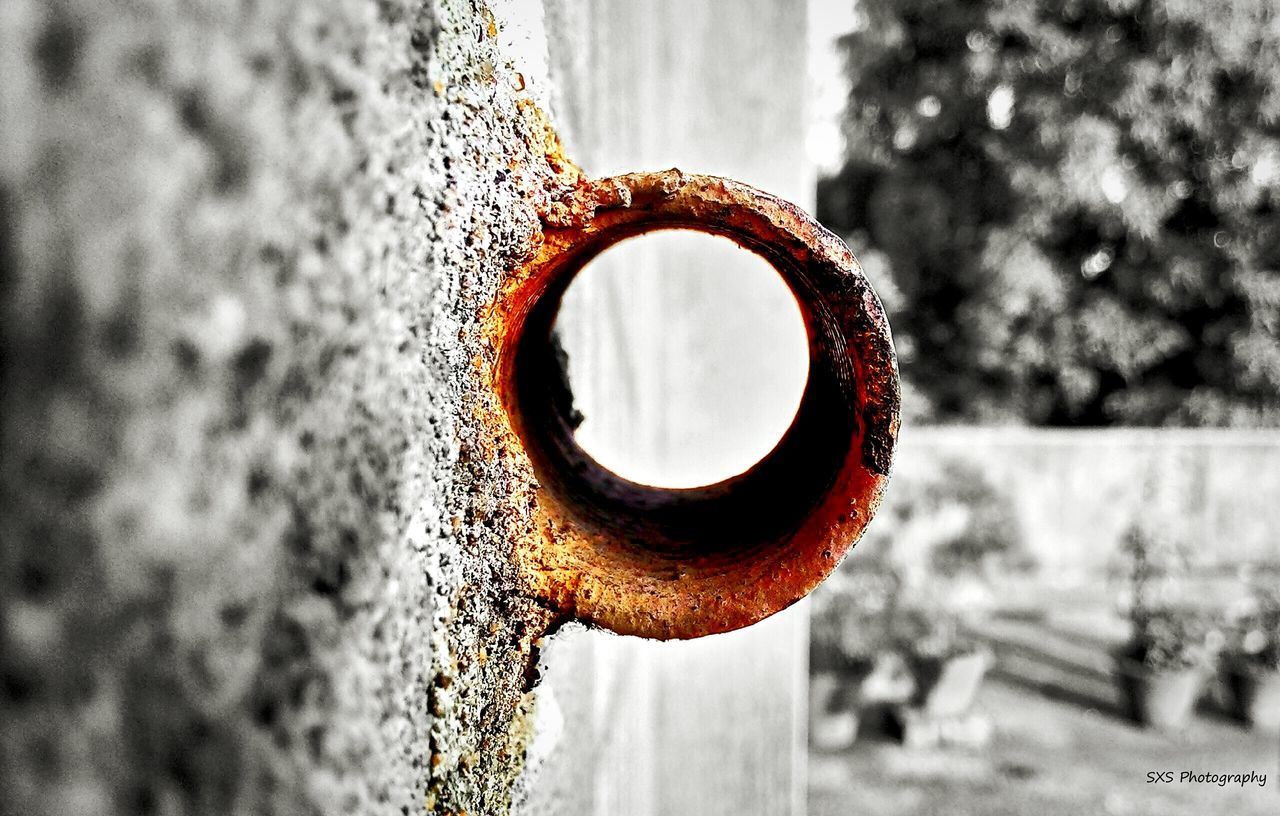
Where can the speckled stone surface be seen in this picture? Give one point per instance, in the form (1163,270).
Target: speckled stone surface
(249,562)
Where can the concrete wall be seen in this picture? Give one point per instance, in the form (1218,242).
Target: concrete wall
(1074,493)
(252,559)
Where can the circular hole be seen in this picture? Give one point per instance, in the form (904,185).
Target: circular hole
(687,358)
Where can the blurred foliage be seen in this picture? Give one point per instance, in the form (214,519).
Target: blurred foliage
(985,537)
(852,615)
(1156,564)
(1075,202)
(864,610)
(991,536)
(1175,638)
(1256,633)
(931,631)
(1170,630)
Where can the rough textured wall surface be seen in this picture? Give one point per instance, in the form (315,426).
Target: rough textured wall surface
(249,562)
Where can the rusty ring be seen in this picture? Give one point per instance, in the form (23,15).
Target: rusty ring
(681,563)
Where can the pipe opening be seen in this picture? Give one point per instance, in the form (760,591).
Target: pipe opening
(675,562)
(701,368)
(719,524)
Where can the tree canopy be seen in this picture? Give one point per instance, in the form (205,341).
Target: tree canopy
(1072,204)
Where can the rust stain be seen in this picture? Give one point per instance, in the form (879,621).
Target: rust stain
(567,174)
(682,563)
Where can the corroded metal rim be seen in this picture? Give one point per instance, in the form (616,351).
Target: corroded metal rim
(681,563)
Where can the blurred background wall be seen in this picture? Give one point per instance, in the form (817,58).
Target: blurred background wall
(714,726)
(1074,494)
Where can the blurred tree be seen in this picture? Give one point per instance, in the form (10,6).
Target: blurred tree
(1076,204)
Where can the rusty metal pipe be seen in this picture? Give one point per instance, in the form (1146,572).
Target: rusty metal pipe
(682,563)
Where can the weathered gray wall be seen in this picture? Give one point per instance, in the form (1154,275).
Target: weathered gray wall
(1075,493)
(252,561)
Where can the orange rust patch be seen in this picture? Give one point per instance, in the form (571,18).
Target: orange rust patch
(566,171)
